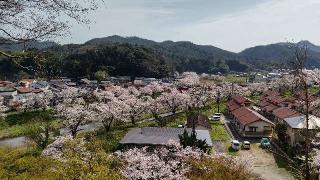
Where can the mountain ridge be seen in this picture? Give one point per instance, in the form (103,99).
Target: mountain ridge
(188,56)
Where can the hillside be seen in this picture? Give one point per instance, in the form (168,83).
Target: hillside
(114,51)
(279,54)
(13,46)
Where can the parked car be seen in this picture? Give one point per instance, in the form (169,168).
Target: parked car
(246,145)
(235,144)
(215,117)
(265,143)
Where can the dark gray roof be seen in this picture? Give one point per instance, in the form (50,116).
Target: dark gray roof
(160,136)
(7,89)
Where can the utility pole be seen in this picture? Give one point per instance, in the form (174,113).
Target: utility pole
(218,100)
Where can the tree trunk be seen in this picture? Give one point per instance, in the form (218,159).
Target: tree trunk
(132,120)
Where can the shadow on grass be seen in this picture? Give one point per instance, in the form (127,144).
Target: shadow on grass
(282,162)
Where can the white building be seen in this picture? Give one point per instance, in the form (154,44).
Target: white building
(295,124)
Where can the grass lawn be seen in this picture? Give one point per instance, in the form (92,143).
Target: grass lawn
(234,79)
(110,140)
(314,90)
(218,132)
(21,123)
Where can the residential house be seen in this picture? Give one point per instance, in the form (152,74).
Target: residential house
(25,93)
(27,82)
(6,84)
(43,85)
(284,112)
(252,124)
(7,91)
(248,122)
(242,101)
(160,136)
(199,121)
(294,126)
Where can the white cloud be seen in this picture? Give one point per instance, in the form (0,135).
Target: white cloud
(267,23)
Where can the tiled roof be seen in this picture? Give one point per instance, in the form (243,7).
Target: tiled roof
(264,103)
(275,99)
(270,93)
(248,116)
(27,80)
(23,90)
(198,119)
(232,105)
(270,108)
(160,136)
(284,112)
(241,111)
(239,99)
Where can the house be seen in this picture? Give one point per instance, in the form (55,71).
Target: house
(6,84)
(6,91)
(43,85)
(160,136)
(199,121)
(283,112)
(252,124)
(27,82)
(294,126)
(242,101)
(24,93)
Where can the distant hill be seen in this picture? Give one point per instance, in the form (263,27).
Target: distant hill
(8,45)
(279,54)
(170,56)
(183,55)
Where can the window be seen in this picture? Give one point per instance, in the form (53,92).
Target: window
(253,129)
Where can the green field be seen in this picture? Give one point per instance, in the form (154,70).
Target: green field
(233,78)
(23,123)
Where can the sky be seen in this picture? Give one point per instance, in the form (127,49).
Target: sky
(228,24)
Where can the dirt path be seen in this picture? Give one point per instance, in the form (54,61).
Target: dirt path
(265,165)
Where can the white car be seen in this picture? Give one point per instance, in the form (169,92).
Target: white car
(235,144)
(215,117)
(246,145)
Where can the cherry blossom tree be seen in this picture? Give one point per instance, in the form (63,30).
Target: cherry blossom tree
(174,100)
(162,163)
(175,162)
(156,108)
(111,112)
(135,107)
(75,114)
(189,79)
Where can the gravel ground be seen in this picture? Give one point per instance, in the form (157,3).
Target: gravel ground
(264,165)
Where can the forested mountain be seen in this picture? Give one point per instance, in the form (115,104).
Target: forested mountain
(135,56)
(279,55)
(183,55)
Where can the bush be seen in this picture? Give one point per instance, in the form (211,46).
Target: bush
(218,168)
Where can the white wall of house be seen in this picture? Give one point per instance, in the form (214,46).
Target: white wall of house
(260,126)
(23,97)
(12,93)
(294,135)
